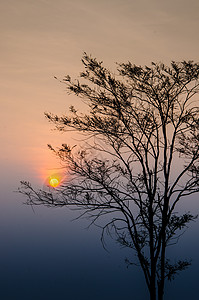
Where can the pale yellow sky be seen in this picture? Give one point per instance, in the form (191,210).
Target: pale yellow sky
(43,38)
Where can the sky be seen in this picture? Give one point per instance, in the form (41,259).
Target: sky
(42,252)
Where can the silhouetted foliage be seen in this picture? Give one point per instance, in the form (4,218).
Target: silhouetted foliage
(140,158)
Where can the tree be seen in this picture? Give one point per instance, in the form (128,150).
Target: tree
(140,158)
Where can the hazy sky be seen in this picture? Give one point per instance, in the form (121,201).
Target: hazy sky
(40,39)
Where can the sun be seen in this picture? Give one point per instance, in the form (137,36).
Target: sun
(54,182)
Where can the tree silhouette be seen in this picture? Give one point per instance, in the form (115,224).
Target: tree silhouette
(139,159)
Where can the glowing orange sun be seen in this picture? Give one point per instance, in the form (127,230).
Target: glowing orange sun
(54,182)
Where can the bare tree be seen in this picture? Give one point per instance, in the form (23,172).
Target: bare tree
(140,158)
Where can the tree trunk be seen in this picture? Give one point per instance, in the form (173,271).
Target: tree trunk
(161,291)
(162,278)
(153,294)
(153,282)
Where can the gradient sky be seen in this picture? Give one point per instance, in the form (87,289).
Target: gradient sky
(40,39)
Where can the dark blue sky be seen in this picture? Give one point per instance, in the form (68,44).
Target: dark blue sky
(46,256)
